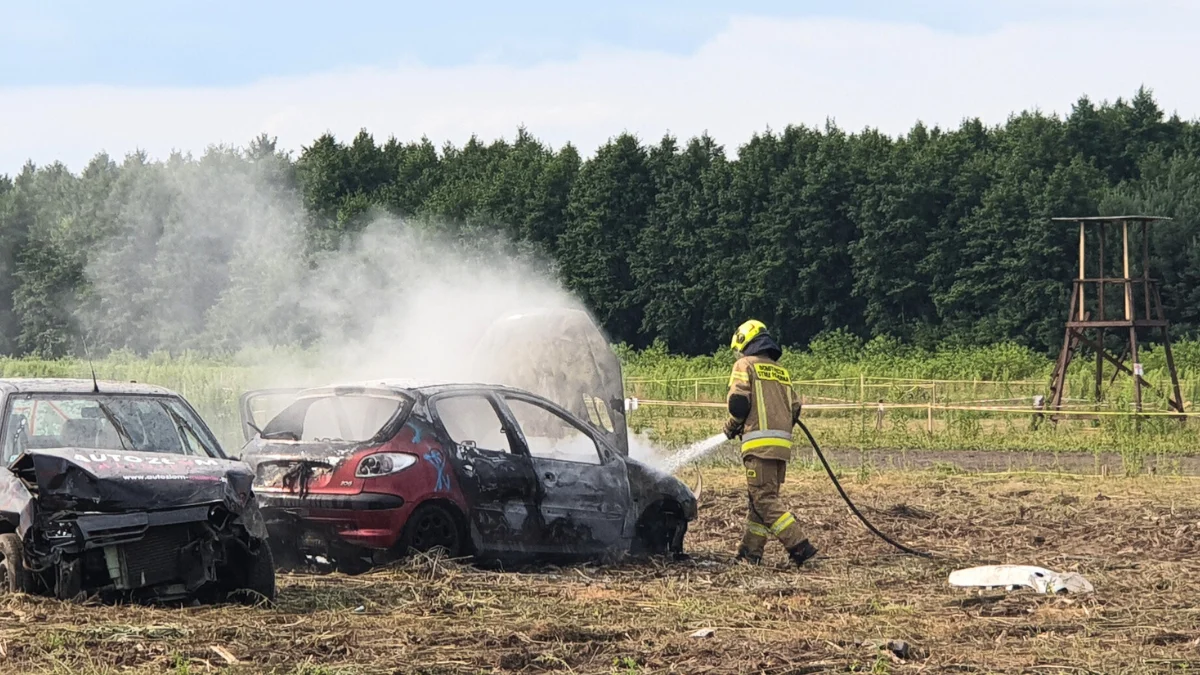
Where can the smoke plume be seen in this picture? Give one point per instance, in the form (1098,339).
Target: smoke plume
(217,256)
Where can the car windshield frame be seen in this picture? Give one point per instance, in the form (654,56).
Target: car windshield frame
(177,409)
(274,430)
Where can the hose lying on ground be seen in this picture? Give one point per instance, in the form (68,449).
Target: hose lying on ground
(849,503)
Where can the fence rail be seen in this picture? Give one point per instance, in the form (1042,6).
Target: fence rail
(895,391)
(875,407)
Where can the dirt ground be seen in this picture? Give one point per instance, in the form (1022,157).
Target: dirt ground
(1103,463)
(1133,538)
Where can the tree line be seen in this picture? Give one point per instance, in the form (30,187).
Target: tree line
(935,236)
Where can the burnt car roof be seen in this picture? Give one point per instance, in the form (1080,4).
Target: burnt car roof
(400,386)
(37,385)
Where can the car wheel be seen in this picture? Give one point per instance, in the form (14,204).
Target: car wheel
(659,532)
(13,576)
(432,526)
(259,582)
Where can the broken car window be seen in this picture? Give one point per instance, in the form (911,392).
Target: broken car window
(598,413)
(264,407)
(342,418)
(551,436)
(104,422)
(472,419)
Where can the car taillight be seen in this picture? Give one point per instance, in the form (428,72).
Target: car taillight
(384,463)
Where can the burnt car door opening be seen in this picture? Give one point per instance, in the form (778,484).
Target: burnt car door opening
(497,477)
(585,503)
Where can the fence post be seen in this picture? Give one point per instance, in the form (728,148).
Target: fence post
(929,412)
(862,404)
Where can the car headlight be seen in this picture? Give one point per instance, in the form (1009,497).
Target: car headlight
(384,463)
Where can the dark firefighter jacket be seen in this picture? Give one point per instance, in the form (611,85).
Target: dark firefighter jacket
(761,396)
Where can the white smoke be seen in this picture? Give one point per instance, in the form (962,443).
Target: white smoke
(210,256)
(408,303)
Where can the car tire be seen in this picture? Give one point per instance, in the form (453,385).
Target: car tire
(659,532)
(259,582)
(12,564)
(432,526)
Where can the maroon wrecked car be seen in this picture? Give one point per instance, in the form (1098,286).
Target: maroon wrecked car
(120,490)
(360,474)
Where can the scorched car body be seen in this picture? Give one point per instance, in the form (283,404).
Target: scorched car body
(121,490)
(364,473)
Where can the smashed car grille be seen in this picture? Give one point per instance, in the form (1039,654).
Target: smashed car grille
(155,558)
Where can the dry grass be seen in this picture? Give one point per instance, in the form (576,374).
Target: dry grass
(1135,539)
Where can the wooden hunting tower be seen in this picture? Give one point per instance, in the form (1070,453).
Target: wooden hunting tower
(1120,302)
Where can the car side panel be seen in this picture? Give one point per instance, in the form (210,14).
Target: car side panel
(586,506)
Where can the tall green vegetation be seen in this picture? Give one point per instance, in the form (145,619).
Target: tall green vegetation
(951,386)
(936,239)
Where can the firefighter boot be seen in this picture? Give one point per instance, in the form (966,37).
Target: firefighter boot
(801,552)
(744,553)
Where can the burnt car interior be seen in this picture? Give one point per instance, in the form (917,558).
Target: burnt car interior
(337,419)
(129,423)
(345,418)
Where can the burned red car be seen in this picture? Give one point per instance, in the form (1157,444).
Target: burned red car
(361,474)
(121,491)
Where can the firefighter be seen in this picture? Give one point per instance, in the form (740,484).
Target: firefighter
(763,408)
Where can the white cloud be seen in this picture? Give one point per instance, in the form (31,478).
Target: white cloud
(758,72)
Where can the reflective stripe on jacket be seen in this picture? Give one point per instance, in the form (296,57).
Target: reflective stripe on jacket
(768,386)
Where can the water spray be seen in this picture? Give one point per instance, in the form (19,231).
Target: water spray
(692,453)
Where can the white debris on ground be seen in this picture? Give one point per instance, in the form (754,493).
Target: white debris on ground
(1010,577)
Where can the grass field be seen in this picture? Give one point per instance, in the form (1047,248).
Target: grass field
(931,400)
(1133,538)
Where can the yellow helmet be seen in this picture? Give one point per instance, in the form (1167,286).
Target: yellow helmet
(745,333)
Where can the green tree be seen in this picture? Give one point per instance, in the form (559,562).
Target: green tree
(1171,188)
(16,219)
(414,173)
(674,279)
(545,216)
(48,267)
(609,206)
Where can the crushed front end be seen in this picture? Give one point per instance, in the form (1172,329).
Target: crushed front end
(144,528)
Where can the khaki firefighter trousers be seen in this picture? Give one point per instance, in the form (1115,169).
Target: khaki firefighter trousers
(766,516)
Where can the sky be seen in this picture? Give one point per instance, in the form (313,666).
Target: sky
(78,77)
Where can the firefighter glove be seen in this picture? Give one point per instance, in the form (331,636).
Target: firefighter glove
(733,428)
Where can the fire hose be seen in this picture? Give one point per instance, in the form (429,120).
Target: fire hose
(853,508)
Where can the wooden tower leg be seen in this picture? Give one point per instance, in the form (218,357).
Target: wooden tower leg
(1177,404)
(1137,377)
(1058,379)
